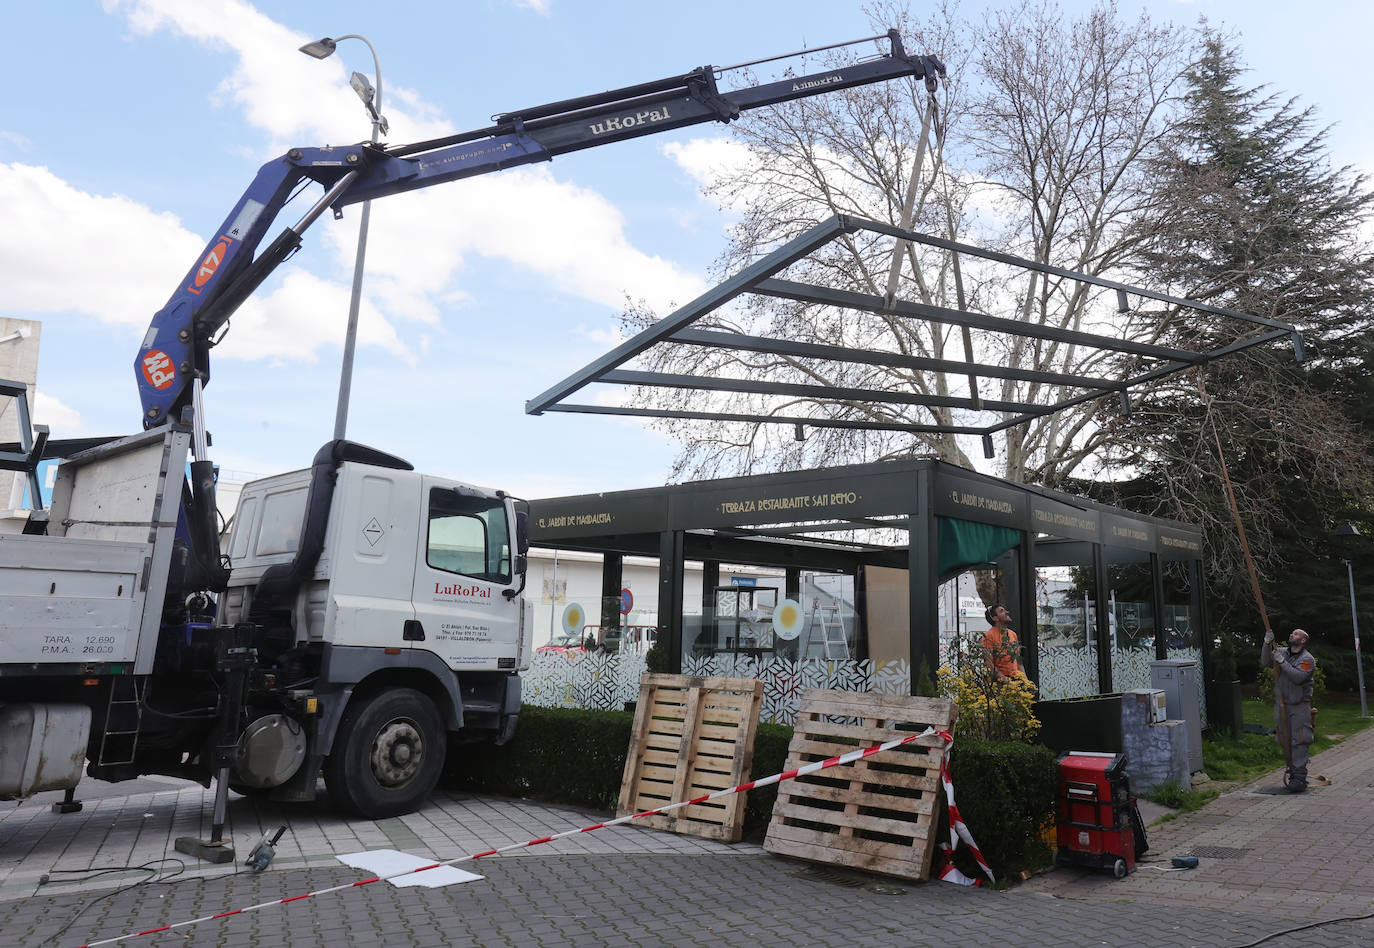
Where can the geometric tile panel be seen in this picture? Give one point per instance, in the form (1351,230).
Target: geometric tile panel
(607,681)
(1068,672)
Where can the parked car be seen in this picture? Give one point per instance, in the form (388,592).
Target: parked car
(562,644)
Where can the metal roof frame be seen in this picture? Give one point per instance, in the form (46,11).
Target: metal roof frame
(760,279)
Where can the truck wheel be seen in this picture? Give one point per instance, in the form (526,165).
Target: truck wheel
(387,755)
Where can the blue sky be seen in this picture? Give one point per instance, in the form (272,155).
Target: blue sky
(131,128)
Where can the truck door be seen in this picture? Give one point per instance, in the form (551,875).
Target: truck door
(464,564)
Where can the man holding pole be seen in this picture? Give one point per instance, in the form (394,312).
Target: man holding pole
(1294,670)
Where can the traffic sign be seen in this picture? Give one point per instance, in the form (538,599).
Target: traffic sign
(627,601)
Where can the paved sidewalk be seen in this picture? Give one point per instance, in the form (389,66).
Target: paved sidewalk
(1277,863)
(1297,856)
(141,828)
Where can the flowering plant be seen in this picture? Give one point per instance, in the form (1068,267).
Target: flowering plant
(991,707)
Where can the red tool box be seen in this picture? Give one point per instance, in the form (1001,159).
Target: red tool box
(1099,824)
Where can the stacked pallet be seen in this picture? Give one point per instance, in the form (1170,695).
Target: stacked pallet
(880,814)
(692,737)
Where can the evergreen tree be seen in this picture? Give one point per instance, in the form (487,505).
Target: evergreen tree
(1250,215)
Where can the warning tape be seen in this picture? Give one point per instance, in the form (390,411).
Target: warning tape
(803,771)
(958,832)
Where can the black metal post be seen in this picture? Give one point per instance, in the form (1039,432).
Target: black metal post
(1355,624)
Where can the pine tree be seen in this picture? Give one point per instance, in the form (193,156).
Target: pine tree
(1250,215)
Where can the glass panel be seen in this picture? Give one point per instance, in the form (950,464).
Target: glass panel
(1130,618)
(829,629)
(1182,625)
(468,535)
(961,615)
(282,514)
(1065,602)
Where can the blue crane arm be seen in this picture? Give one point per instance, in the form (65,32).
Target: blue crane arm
(176,348)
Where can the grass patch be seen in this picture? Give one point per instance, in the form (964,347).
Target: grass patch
(1253,755)
(1171,794)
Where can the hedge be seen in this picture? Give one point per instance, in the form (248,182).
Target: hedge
(1006,792)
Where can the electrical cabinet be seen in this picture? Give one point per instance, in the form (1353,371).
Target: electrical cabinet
(1178,679)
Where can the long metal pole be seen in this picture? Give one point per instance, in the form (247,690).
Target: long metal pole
(1355,624)
(351,336)
(355,300)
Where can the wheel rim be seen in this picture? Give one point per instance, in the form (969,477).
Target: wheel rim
(398,752)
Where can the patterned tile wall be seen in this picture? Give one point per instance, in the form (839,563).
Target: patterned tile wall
(608,682)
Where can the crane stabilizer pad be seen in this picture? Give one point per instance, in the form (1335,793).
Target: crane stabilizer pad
(215,851)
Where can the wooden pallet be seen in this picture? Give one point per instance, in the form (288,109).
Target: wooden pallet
(692,736)
(878,814)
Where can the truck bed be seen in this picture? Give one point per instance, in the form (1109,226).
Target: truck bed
(64,599)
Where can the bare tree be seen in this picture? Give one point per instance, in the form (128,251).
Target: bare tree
(1069,114)
(1034,147)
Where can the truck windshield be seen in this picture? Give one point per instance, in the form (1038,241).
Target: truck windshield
(468,535)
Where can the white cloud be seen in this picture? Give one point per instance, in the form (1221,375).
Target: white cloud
(298,317)
(19,141)
(418,243)
(50,411)
(320,106)
(66,250)
(604,337)
(707,160)
(572,236)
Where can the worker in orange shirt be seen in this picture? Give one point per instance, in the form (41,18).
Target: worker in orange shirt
(1002,648)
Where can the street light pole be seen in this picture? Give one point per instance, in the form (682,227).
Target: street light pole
(1355,622)
(1349,530)
(372,99)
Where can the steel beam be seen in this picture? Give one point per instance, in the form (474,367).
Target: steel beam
(865,302)
(896,360)
(785,255)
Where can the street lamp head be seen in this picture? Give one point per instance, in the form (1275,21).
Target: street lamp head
(1347,530)
(363,87)
(321,48)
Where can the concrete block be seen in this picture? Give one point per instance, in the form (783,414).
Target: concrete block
(1155,753)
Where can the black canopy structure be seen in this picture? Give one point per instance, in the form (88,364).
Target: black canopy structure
(920,521)
(1144,362)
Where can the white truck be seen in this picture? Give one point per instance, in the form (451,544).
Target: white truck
(363,614)
(370,611)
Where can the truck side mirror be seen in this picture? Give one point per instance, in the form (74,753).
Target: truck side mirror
(522,532)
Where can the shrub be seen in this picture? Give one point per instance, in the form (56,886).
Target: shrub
(989,709)
(558,755)
(656,659)
(1006,791)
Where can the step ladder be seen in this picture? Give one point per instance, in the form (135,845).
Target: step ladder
(123,721)
(834,641)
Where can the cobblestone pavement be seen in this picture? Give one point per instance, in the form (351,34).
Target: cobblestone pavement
(1268,864)
(1304,856)
(558,901)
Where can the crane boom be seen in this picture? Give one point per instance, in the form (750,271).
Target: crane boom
(175,350)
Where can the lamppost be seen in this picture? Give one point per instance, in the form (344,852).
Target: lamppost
(1345,531)
(372,100)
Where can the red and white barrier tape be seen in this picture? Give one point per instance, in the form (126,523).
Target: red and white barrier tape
(751,785)
(958,831)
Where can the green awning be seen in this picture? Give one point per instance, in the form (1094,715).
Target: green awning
(964,543)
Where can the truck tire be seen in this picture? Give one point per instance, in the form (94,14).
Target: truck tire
(387,755)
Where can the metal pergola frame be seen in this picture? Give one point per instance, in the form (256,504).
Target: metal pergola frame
(726,521)
(760,279)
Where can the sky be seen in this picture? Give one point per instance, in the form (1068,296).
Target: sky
(131,128)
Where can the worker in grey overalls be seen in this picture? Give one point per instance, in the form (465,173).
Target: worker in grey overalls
(1294,669)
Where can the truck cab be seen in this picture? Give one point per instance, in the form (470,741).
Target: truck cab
(401,611)
(409,561)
